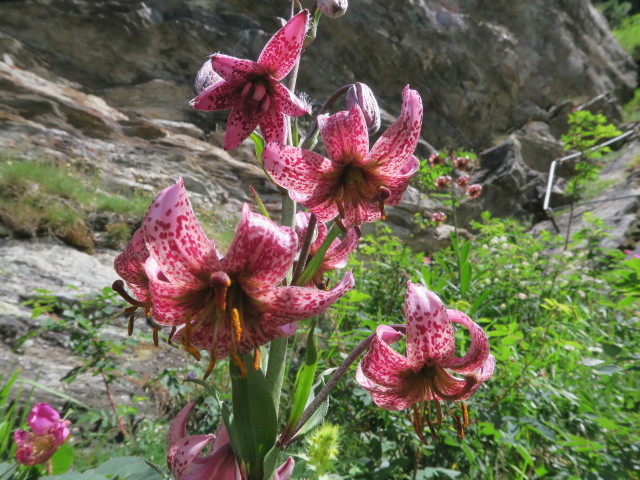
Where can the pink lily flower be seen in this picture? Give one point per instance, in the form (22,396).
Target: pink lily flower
(186,461)
(48,432)
(226,305)
(129,265)
(353,182)
(422,376)
(338,252)
(252,90)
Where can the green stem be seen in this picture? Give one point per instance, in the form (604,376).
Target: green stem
(455,231)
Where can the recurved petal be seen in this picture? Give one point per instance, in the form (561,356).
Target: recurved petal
(345,136)
(273,126)
(178,428)
(221,95)
(360,213)
(175,239)
(321,203)
(394,147)
(284,471)
(382,365)
(261,252)
(167,309)
(478,352)
(398,183)
(183,453)
(296,169)
(283,50)
(285,305)
(130,263)
(429,330)
(286,102)
(243,119)
(339,251)
(234,69)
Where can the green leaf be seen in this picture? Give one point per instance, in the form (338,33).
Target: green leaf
(258,142)
(123,468)
(254,415)
(316,261)
(62,459)
(465,277)
(304,382)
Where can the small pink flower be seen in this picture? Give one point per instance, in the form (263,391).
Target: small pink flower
(422,376)
(443,182)
(426,260)
(435,160)
(462,181)
(48,432)
(354,182)
(438,217)
(187,462)
(252,90)
(473,191)
(462,163)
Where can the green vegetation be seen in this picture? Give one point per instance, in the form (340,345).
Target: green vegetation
(48,199)
(628,35)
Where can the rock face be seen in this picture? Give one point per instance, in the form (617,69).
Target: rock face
(107,84)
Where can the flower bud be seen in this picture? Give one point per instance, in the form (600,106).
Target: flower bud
(361,95)
(206,76)
(333,8)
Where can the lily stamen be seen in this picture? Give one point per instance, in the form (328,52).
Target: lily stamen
(237,361)
(257,356)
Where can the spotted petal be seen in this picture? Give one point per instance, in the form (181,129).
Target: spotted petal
(429,331)
(178,427)
(394,147)
(233,69)
(478,352)
(398,183)
(273,126)
(295,169)
(184,452)
(284,471)
(284,100)
(218,96)
(175,239)
(281,53)
(284,305)
(261,252)
(345,136)
(382,365)
(243,119)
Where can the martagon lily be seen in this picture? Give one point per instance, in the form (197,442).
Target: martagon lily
(226,305)
(187,462)
(422,377)
(252,90)
(353,182)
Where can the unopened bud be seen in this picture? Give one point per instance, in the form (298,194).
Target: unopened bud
(360,94)
(333,8)
(206,77)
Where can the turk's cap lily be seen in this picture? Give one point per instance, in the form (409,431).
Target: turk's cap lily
(206,76)
(130,266)
(231,304)
(473,191)
(252,90)
(186,460)
(426,372)
(354,182)
(48,432)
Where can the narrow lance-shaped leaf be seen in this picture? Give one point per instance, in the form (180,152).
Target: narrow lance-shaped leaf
(317,259)
(304,381)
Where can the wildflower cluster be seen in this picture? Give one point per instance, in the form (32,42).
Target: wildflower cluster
(272,276)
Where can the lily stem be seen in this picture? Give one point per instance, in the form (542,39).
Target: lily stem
(331,383)
(304,251)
